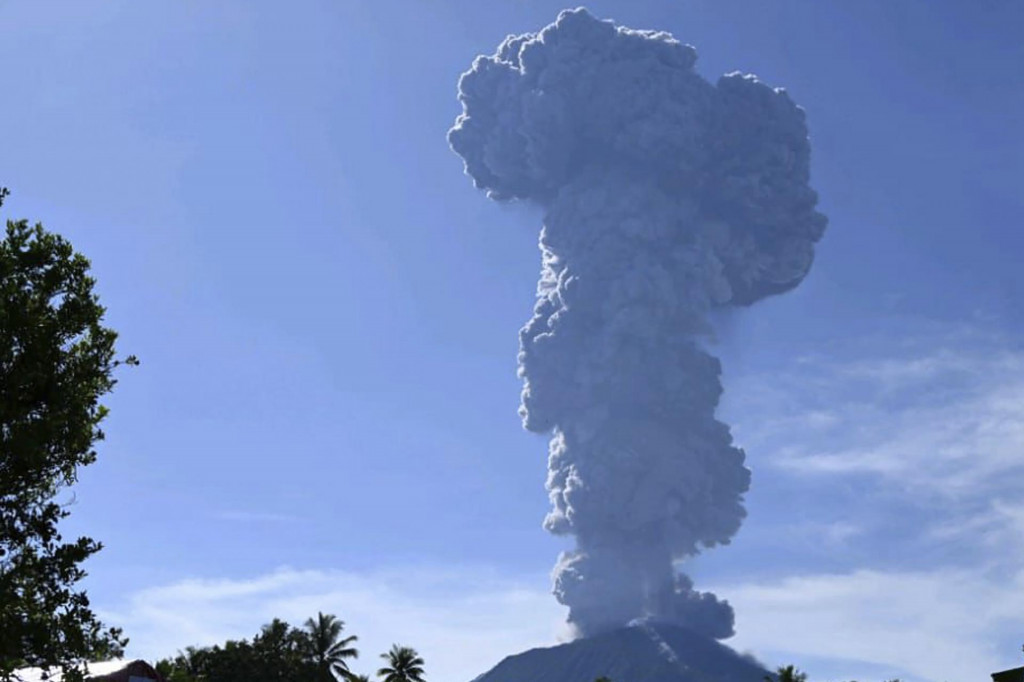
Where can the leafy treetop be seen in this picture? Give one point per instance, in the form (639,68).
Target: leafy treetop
(56,362)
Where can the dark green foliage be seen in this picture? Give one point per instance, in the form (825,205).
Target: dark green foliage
(787,673)
(279,653)
(282,652)
(403,665)
(56,362)
(326,648)
(188,665)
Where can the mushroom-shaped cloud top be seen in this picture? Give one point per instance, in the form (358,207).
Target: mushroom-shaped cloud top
(585,95)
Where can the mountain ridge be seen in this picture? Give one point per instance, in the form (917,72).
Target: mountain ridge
(640,652)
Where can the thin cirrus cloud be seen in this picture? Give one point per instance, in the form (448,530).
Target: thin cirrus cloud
(924,625)
(942,416)
(932,428)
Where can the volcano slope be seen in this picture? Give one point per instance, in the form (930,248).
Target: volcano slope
(642,652)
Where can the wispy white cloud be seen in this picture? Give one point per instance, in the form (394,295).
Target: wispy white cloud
(463,621)
(942,625)
(829,534)
(942,418)
(994,531)
(933,426)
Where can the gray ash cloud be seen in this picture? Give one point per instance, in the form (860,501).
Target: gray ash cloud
(664,197)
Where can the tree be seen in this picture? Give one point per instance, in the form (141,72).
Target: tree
(236,660)
(278,653)
(185,667)
(282,653)
(404,665)
(327,652)
(787,673)
(194,662)
(56,362)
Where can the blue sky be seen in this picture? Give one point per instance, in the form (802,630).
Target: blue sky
(326,313)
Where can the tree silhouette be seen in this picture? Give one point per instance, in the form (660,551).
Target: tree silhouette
(787,673)
(56,363)
(282,653)
(327,651)
(404,665)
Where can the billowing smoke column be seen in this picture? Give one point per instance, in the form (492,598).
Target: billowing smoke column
(664,196)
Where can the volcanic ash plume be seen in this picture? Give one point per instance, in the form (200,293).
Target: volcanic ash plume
(664,196)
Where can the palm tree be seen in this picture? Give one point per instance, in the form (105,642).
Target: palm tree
(787,673)
(404,665)
(326,650)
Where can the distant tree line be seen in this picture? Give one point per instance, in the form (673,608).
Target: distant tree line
(785,673)
(317,652)
(790,673)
